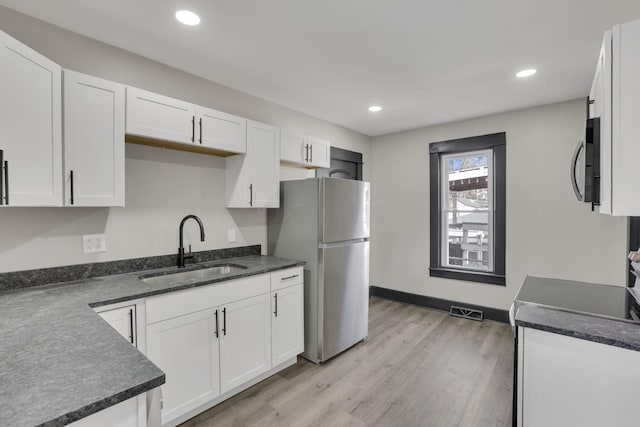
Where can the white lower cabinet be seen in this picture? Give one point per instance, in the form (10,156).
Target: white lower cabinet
(245,348)
(123,320)
(213,341)
(130,413)
(287,323)
(186,349)
(566,381)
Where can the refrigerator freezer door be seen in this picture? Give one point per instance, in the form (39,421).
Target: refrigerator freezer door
(345,210)
(345,292)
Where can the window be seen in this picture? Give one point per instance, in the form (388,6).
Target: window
(467,211)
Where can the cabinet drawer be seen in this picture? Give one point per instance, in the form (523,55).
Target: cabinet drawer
(284,278)
(182,302)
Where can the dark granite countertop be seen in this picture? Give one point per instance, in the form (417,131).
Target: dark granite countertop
(59,361)
(587,311)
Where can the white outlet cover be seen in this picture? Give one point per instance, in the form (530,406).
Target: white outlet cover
(231,235)
(92,243)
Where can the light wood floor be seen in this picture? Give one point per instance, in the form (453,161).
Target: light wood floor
(418,367)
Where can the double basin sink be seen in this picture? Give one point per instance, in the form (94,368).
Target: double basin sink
(192,275)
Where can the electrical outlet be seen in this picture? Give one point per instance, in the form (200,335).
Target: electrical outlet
(92,243)
(231,235)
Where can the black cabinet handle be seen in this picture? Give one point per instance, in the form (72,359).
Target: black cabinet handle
(217,333)
(200,131)
(131,326)
(193,128)
(71,184)
(1,177)
(6,182)
(224,321)
(251,195)
(275,311)
(290,277)
(311,156)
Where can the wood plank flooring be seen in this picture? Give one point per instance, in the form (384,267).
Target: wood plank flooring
(418,367)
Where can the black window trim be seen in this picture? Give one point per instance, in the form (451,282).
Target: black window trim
(496,142)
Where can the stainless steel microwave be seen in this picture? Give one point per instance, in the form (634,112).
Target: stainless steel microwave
(585,165)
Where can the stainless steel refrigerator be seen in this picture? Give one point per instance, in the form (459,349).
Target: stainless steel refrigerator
(325,222)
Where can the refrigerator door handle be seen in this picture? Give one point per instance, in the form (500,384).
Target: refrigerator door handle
(329,245)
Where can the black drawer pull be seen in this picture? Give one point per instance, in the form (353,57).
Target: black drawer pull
(1,177)
(290,277)
(6,182)
(224,321)
(71,184)
(217,328)
(275,311)
(131,327)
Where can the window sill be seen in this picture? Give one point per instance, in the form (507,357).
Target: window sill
(469,276)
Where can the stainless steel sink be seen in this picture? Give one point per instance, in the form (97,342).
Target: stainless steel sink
(192,276)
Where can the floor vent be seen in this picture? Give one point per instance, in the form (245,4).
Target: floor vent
(467,313)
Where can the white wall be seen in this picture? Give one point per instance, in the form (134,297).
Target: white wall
(548,232)
(162,185)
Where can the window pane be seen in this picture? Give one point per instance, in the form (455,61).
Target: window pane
(468,239)
(467,192)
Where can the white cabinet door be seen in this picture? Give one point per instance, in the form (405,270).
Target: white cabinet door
(93,141)
(625,126)
(319,152)
(186,349)
(123,320)
(265,153)
(159,117)
(287,323)
(130,413)
(616,94)
(304,150)
(30,126)
(293,147)
(221,131)
(567,381)
(245,348)
(253,179)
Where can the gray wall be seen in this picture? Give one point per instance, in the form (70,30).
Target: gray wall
(162,185)
(548,232)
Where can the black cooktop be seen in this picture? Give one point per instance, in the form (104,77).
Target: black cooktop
(616,302)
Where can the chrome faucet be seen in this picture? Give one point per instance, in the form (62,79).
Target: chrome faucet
(181,255)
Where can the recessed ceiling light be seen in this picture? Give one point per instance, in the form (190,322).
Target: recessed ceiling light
(526,73)
(375,108)
(187,17)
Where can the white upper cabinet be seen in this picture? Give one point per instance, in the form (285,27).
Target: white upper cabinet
(616,100)
(30,126)
(159,117)
(319,152)
(293,148)
(253,179)
(93,141)
(221,131)
(301,150)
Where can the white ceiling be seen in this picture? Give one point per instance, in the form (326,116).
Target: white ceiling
(424,61)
